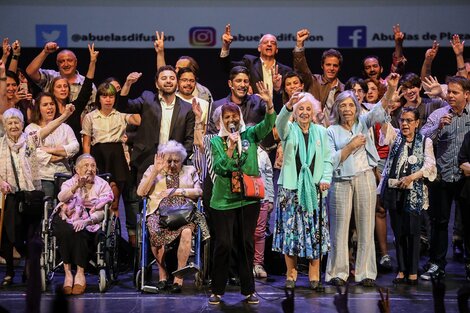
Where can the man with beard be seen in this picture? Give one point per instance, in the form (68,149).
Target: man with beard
(324,87)
(164,117)
(252,106)
(187,82)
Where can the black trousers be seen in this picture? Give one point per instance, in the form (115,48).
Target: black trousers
(441,196)
(74,247)
(244,220)
(465,218)
(18,229)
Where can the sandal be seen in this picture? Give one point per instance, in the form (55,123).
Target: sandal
(7,281)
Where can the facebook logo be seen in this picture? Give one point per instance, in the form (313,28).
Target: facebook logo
(46,33)
(352,36)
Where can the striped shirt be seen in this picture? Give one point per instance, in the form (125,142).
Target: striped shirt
(448,140)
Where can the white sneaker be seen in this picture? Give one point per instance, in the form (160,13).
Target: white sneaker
(259,271)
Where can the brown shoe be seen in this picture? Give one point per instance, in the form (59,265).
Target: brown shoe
(67,290)
(78,289)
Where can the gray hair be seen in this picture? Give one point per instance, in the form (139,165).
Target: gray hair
(83,157)
(336,118)
(216,115)
(309,98)
(264,36)
(12,113)
(173,147)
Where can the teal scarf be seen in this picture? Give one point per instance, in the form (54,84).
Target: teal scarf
(307,191)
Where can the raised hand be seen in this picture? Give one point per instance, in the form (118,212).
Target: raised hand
(196,109)
(397,34)
(2,69)
(93,53)
(227,37)
(277,78)
(384,302)
(69,109)
(302,35)
(159,162)
(432,52)
(16,47)
(432,87)
(133,77)
(159,42)
(296,97)
(50,47)
(457,45)
(263,91)
(393,80)
(6,48)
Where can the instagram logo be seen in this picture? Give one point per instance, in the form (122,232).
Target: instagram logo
(202,36)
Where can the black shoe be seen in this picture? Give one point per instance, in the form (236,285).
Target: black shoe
(399,281)
(252,299)
(467,271)
(457,247)
(412,282)
(367,282)
(234,281)
(214,299)
(162,285)
(176,288)
(337,282)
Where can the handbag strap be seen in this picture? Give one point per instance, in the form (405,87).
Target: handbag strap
(14,171)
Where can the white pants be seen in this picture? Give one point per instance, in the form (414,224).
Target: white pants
(360,193)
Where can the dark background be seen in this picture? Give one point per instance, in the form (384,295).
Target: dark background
(120,62)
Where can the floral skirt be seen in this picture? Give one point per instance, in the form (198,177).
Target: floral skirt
(296,231)
(163,236)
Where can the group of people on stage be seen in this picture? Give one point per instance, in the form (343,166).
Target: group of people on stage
(320,150)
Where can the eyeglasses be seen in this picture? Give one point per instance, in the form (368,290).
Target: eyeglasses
(407,120)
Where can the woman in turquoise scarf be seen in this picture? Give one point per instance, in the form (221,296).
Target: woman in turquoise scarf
(306,164)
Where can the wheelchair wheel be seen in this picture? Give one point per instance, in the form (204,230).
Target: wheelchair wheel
(43,280)
(138,252)
(138,280)
(103,282)
(112,247)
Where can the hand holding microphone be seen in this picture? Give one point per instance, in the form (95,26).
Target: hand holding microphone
(234,137)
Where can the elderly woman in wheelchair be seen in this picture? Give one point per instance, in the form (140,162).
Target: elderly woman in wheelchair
(170,186)
(77,220)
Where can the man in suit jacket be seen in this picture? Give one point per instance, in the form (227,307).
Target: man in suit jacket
(164,117)
(264,68)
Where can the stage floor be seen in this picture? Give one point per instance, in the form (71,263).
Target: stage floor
(122,297)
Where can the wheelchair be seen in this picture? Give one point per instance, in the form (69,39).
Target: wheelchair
(143,264)
(107,252)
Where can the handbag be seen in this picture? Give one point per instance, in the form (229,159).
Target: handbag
(30,202)
(253,186)
(175,216)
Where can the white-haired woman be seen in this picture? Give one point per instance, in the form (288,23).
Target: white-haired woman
(19,172)
(354,156)
(306,163)
(168,183)
(82,198)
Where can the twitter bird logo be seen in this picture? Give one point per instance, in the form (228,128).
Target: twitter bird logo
(46,33)
(52,36)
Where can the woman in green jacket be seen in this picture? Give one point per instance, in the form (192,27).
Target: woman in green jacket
(235,216)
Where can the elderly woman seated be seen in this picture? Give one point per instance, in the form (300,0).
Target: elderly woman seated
(81,210)
(168,183)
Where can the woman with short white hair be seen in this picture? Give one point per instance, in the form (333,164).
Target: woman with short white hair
(307,163)
(19,172)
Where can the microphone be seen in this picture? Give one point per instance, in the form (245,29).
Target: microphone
(233,129)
